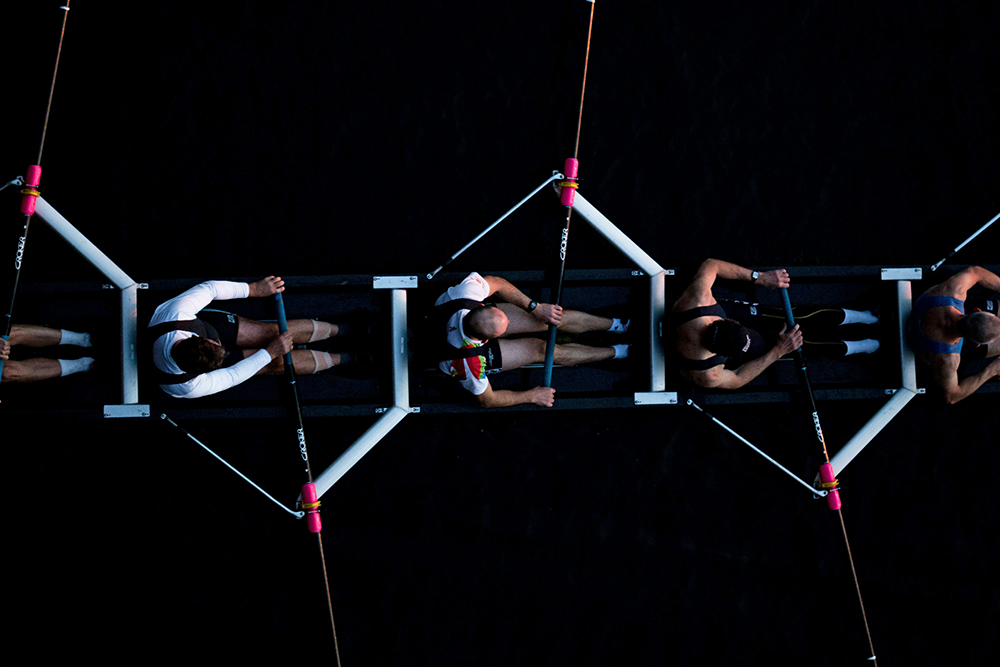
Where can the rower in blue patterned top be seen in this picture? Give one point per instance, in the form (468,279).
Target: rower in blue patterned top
(939,326)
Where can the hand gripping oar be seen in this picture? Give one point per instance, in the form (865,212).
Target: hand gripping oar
(827,478)
(310,501)
(571,169)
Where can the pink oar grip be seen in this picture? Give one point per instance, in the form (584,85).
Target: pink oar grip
(571,168)
(29,193)
(310,501)
(827,476)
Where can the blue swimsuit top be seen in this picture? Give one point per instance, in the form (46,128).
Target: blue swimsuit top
(918,339)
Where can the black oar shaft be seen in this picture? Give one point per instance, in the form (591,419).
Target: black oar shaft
(290,374)
(8,317)
(804,373)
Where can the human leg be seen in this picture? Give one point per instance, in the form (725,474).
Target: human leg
(35,370)
(823,325)
(840,348)
(574,354)
(306,362)
(523,351)
(32,335)
(577,321)
(254,334)
(573,321)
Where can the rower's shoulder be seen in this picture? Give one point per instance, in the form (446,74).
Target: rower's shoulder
(708,378)
(959,284)
(941,289)
(693,298)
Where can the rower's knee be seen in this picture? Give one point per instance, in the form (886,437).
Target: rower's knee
(255,334)
(536,348)
(560,356)
(14,371)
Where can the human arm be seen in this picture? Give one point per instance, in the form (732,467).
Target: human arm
(721,378)
(960,283)
(281,345)
(946,376)
(502,398)
(699,292)
(546,313)
(221,379)
(188,304)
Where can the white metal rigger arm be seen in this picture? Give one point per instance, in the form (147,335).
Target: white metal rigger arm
(555,176)
(298,515)
(962,245)
(818,492)
(17,181)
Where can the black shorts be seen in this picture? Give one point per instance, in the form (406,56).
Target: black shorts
(494,360)
(227,325)
(490,352)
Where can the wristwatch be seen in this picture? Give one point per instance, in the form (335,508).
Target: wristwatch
(532,306)
(754,275)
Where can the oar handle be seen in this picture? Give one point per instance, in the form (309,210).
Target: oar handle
(6,338)
(282,323)
(550,350)
(282,320)
(786,302)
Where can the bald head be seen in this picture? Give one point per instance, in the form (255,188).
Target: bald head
(980,327)
(485,322)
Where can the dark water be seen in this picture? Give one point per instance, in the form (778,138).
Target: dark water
(305,138)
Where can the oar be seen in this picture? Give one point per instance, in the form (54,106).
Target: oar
(571,169)
(29,193)
(827,478)
(310,501)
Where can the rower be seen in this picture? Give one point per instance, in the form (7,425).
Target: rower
(478,344)
(725,344)
(939,325)
(198,352)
